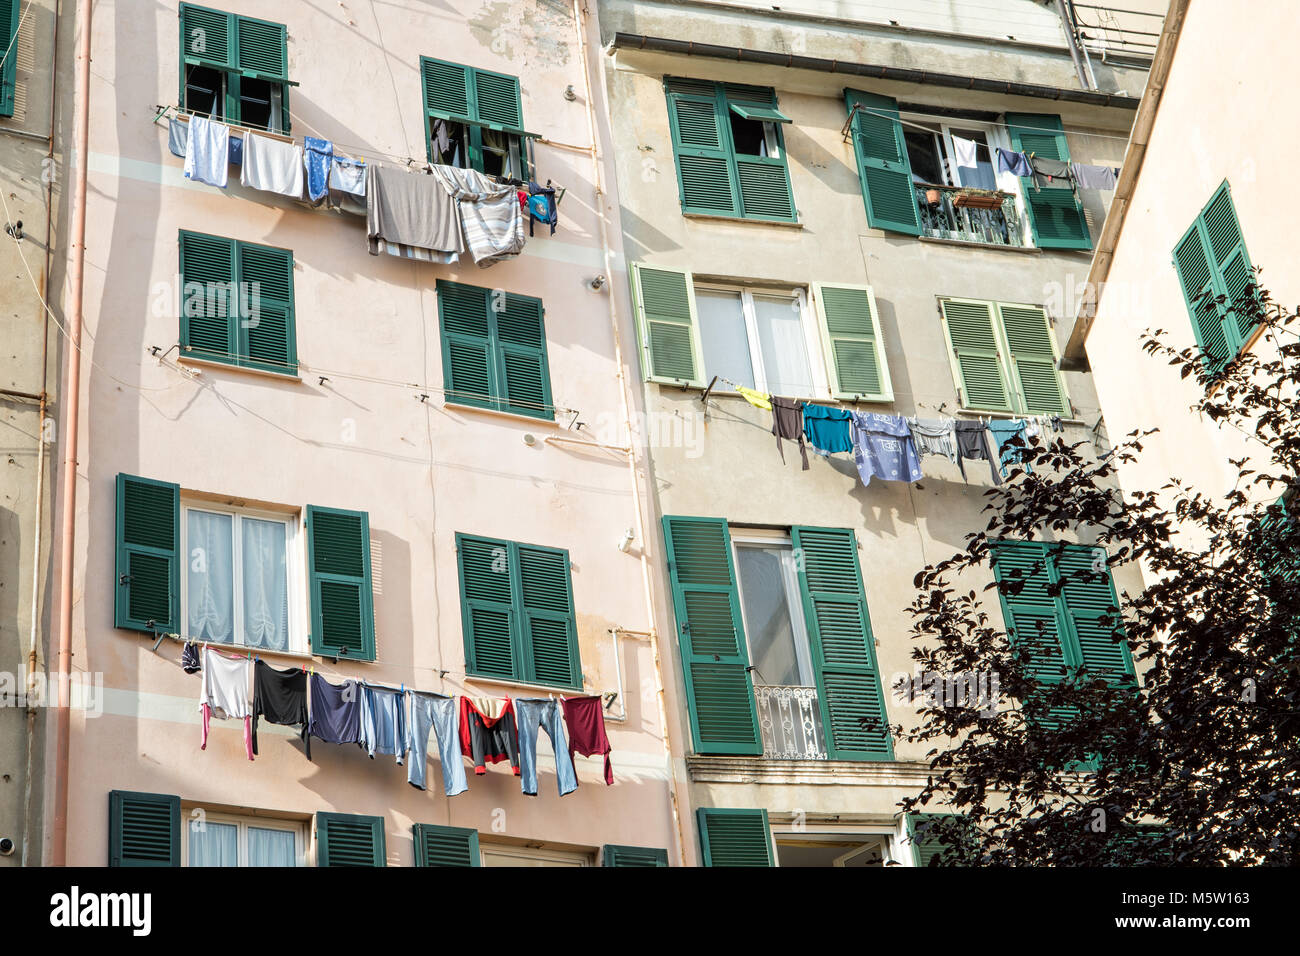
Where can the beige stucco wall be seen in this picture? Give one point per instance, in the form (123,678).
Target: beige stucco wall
(361,440)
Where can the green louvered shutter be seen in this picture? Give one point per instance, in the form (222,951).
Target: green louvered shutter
(10,16)
(977,361)
(209,297)
(1093,611)
(148,555)
(613,855)
(1236,276)
(667,325)
(550,630)
(469,365)
(843,650)
(348,839)
(206,38)
(445,846)
(342,598)
(1056,215)
(851,330)
(711,635)
(883,166)
(928,847)
(487,607)
(266,333)
(764,181)
(446,89)
(1197,275)
(520,352)
(263,49)
(497,99)
(144,829)
(1033,360)
(1032,615)
(735,837)
(701,143)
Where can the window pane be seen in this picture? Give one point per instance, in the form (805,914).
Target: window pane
(266,585)
(769,627)
(786,369)
(205,91)
(210,576)
(214,844)
(923,153)
(981,175)
(723,337)
(271,847)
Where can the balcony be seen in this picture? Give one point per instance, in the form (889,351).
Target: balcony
(790,722)
(962,215)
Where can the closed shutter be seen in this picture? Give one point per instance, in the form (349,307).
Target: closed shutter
(347,839)
(498,101)
(522,369)
(209,297)
(144,829)
(855,348)
(147,596)
(207,38)
(1056,215)
(266,331)
(612,855)
(445,846)
(1033,360)
(715,661)
(843,650)
(883,165)
(487,606)
(735,837)
(977,362)
(1033,618)
(342,599)
(469,364)
(550,631)
(1197,277)
(1093,612)
(10,16)
(667,325)
(701,146)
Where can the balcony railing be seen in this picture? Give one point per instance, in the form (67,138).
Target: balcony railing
(943,217)
(790,722)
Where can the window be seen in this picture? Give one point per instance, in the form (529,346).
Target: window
(1212,263)
(517,612)
(474,119)
(737,604)
(237,303)
(10,17)
(494,350)
(500,855)
(814,845)
(234,68)
(242,574)
(1004,357)
(213,839)
(730,150)
(764,338)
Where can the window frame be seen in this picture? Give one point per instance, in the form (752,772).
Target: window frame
(742,537)
(517,140)
(244,822)
(581,858)
(230,93)
(295,571)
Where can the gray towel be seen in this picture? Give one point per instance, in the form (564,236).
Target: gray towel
(935,436)
(491,219)
(1094,177)
(1050,173)
(410,209)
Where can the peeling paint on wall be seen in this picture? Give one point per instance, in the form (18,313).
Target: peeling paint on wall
(536,31)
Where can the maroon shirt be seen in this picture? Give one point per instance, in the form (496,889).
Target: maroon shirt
(586,720)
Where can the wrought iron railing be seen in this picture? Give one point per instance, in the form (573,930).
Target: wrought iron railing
(944,217)
(790,721)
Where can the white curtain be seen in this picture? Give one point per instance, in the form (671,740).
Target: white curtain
(214,844)
(271,847)
(784,348)
(265,582)
(210,576)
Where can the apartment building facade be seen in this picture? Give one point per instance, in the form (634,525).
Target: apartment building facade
(393,473)
(799,222)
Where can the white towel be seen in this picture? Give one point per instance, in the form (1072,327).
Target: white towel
(272,166)
(207,154)
(967,150)
(225,685)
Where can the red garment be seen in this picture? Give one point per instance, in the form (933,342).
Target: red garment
(585,718)
(523,199)
(487,739)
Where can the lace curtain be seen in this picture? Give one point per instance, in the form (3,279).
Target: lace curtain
(264,610)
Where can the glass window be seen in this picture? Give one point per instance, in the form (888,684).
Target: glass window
(783,345)
(241,841)
(724,338)
(758,340)
(528,856)
(773,615)
(981,175)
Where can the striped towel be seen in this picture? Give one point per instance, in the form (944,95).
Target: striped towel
(492,222)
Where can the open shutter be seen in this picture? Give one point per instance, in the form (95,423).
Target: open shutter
(928,845)
(977,362)
(9,19)
(148,594)
(522,369)
(1196,274)
(612,855)
(497,100)
(446,89)
(1033,360)
(715,661)
(856,349)
(764,181)
(469,366)
(206,38)
(883,165)
(1093,611)
(445,846)
(843,650)
(347,839)
(550,631)
(342,600)
(487,607)
(263,49)
(1033,620)
(209,297)
(735,837)
(1056,215)
(667,325)
(144,829)
(700,144)
(266,331)
(1228,248)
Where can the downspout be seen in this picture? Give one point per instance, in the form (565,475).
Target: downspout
(71,423)
(1067,26)
(580,25)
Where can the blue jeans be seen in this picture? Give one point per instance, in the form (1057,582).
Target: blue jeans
(437,713)
(534,714)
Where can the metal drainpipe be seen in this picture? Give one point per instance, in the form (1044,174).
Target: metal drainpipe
(71,411)
(580,25)
(1067,25)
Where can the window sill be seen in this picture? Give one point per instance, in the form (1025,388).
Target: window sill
(501,413)
(984,413)
(184,359)
(706,217)
(304,657)
(236,129)
(971,244)
(510,682)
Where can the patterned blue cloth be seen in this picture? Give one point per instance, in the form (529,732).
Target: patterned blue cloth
(883,447)
(317,157)
(1003,431)
(1009,161)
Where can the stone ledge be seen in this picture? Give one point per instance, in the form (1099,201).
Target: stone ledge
(816,772)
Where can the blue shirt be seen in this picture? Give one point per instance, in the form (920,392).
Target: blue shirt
(827,429)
